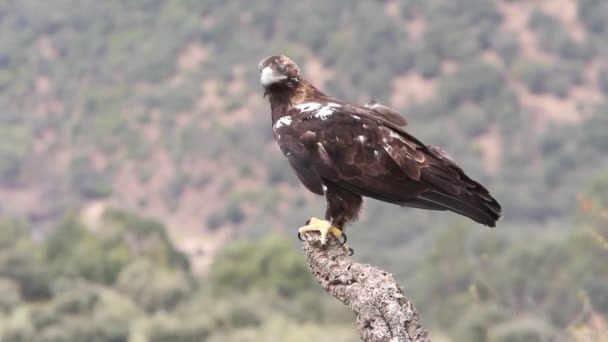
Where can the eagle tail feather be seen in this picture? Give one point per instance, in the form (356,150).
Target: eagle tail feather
(469,204)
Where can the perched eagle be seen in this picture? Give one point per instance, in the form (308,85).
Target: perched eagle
(347,152)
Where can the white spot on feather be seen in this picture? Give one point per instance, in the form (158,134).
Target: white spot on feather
(308,106)
(392,134)
(377,154)
(362,138)
(388,148)
(324,187)
(326,111)
(356,117)
(283,121)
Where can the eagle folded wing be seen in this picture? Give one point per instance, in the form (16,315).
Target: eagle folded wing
(352,146)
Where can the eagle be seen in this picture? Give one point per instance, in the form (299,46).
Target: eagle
(345,152)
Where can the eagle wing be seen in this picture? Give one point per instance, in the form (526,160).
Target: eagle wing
(357,149)
(389,113)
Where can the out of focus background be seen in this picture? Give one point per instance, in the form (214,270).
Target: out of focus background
(143,199)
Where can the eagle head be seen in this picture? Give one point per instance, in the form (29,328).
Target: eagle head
(276,70)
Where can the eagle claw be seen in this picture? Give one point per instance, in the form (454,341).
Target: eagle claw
(350,251)
(343,241)
(300,236)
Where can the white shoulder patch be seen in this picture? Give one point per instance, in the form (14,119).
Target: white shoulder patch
(326,111)
(283,121)
(308,106)
(322,111)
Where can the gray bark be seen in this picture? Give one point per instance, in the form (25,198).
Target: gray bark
(383,311)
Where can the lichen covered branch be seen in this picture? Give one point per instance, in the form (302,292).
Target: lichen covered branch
(383,311)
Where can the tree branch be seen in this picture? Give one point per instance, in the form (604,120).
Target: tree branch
(383,312)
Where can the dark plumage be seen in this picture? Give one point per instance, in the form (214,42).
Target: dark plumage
(388,113)
(347,152)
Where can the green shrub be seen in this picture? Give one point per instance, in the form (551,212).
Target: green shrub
(87,181)
(12,231)
(11,296)
(478,322)
(86,329)
(279,171)
(506,45)
(593,15)
(234,213)
(165,328)
(271,263)
(74,297)
(473,120)
(475,81)
(75,251)
(533,75)
(595,130)
(152,288)
(428,64)
(44,316)
(523,330)
(14,147)
(155,243)
(23,265)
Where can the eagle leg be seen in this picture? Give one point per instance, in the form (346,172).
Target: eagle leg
(324,227)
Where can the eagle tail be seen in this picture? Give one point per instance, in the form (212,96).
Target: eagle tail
(476,204)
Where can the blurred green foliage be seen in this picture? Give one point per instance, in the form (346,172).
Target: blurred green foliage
(476,288)
(151,294)
(91,91)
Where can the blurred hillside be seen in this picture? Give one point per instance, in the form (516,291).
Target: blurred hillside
(155,107)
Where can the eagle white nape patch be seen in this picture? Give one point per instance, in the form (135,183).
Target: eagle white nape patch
(322,111)
(283,121)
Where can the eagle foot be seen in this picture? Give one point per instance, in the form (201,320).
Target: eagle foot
(324,227)
(342,242)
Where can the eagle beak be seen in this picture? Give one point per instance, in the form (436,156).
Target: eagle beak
(268,76)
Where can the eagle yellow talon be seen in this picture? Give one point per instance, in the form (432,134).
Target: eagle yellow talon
(322,226)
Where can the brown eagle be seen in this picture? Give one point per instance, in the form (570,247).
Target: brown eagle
(347,152)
